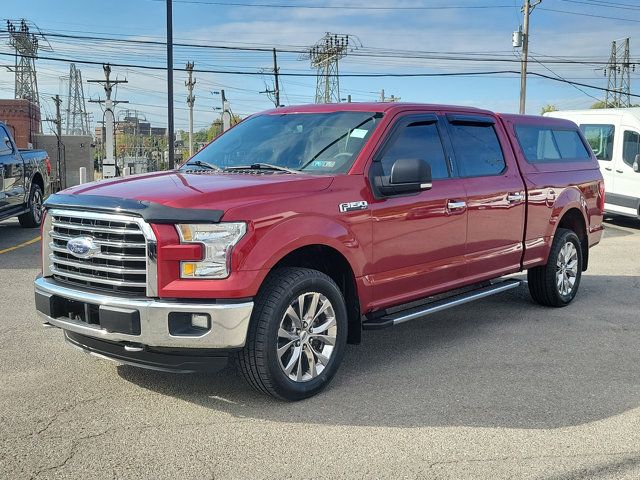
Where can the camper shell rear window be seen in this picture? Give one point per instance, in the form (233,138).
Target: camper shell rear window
(547,144)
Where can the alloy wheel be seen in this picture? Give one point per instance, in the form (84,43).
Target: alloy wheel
(567,268)
(307,336)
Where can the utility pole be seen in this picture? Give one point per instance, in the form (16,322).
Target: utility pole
(109,162)
(170,139)
(77,120)
(57,122)
(324,57)
(527,9)
(191,99)
(618,73)
(276,85)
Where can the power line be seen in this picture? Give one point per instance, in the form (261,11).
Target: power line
(589,15)
(346,75)
(334,7)
(600,3)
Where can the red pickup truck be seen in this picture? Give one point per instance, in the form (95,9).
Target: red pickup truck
(282,240)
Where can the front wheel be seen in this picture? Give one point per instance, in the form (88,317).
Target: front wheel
(556,283)
(297,335)
(33,217)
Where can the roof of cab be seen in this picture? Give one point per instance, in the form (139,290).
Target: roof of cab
(383,107)
(516,119)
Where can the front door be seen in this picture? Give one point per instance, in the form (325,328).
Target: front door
(418,239)
(11,174)
(600,136)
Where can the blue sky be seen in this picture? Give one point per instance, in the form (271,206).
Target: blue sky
(483,32)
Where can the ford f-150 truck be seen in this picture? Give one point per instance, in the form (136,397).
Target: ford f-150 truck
(24,181)
(283,239)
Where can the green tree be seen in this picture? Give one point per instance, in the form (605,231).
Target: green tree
(600,104)
(548,108)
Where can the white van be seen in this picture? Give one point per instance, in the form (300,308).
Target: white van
(614,136)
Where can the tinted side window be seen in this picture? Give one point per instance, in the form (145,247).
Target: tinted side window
(631,147)
(600,139)
(4,150)
(477,149)
(543,144)
(421,141)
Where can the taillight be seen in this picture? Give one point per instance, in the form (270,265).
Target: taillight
(47,163)
(601,194)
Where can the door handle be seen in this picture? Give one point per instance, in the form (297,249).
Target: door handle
(619,171)
(515,197)
(451,205)
(608,169)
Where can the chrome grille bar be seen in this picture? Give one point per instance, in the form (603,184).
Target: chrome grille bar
(124,260)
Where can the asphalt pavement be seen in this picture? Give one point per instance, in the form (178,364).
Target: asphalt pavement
(497,389)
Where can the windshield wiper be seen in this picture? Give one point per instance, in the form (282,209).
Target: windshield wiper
(199,163)
(262,166)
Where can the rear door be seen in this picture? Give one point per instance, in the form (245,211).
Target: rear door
(626,194)
(11,173)
(495,195)
(418,239)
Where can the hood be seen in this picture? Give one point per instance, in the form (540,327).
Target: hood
(204,190)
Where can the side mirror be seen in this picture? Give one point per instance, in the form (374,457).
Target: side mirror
(408,175)
(636,163)
(7,144)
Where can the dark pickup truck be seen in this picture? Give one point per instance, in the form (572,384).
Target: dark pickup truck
(24,176)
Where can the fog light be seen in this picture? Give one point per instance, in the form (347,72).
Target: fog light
(201,320)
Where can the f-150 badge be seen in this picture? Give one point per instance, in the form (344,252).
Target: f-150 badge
(352,206)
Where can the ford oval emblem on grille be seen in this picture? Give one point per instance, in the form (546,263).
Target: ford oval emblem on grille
(82,247)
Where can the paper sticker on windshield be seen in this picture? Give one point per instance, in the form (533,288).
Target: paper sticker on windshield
(358,133)
(323,163)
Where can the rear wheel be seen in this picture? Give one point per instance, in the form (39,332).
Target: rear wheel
(297,335)
(556,283)
(33,218)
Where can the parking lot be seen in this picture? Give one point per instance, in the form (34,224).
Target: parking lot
(502,388)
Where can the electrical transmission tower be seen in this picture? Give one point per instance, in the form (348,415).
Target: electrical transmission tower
(324,56)
(618,72)
(77,120)
(26,45)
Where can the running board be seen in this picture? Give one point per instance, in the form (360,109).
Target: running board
(439,305)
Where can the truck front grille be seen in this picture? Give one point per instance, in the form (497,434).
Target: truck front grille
(118,265)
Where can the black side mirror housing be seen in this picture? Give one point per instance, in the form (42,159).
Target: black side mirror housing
(408,175)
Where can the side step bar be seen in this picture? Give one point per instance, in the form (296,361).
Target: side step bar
(439,305)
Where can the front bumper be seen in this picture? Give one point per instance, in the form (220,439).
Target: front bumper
(137,323)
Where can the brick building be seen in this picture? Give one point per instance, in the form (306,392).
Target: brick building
(22,118)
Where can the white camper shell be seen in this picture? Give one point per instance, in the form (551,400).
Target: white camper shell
(614,136)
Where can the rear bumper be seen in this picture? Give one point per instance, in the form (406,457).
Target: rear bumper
(138,323)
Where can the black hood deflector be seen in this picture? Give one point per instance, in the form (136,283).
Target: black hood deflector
(151,212)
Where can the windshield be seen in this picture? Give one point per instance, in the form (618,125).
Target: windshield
(308,142)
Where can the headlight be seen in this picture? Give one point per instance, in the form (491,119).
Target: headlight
(217,240)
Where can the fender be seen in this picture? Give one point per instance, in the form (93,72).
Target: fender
(267,248)
(537,249)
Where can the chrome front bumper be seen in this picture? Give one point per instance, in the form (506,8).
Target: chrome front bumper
(228,329)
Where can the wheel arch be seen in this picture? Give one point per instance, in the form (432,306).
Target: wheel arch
(573,218)
(333,263)
(38,180)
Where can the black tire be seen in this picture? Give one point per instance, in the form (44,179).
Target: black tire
(543,281)
(33,218)
(259,361)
